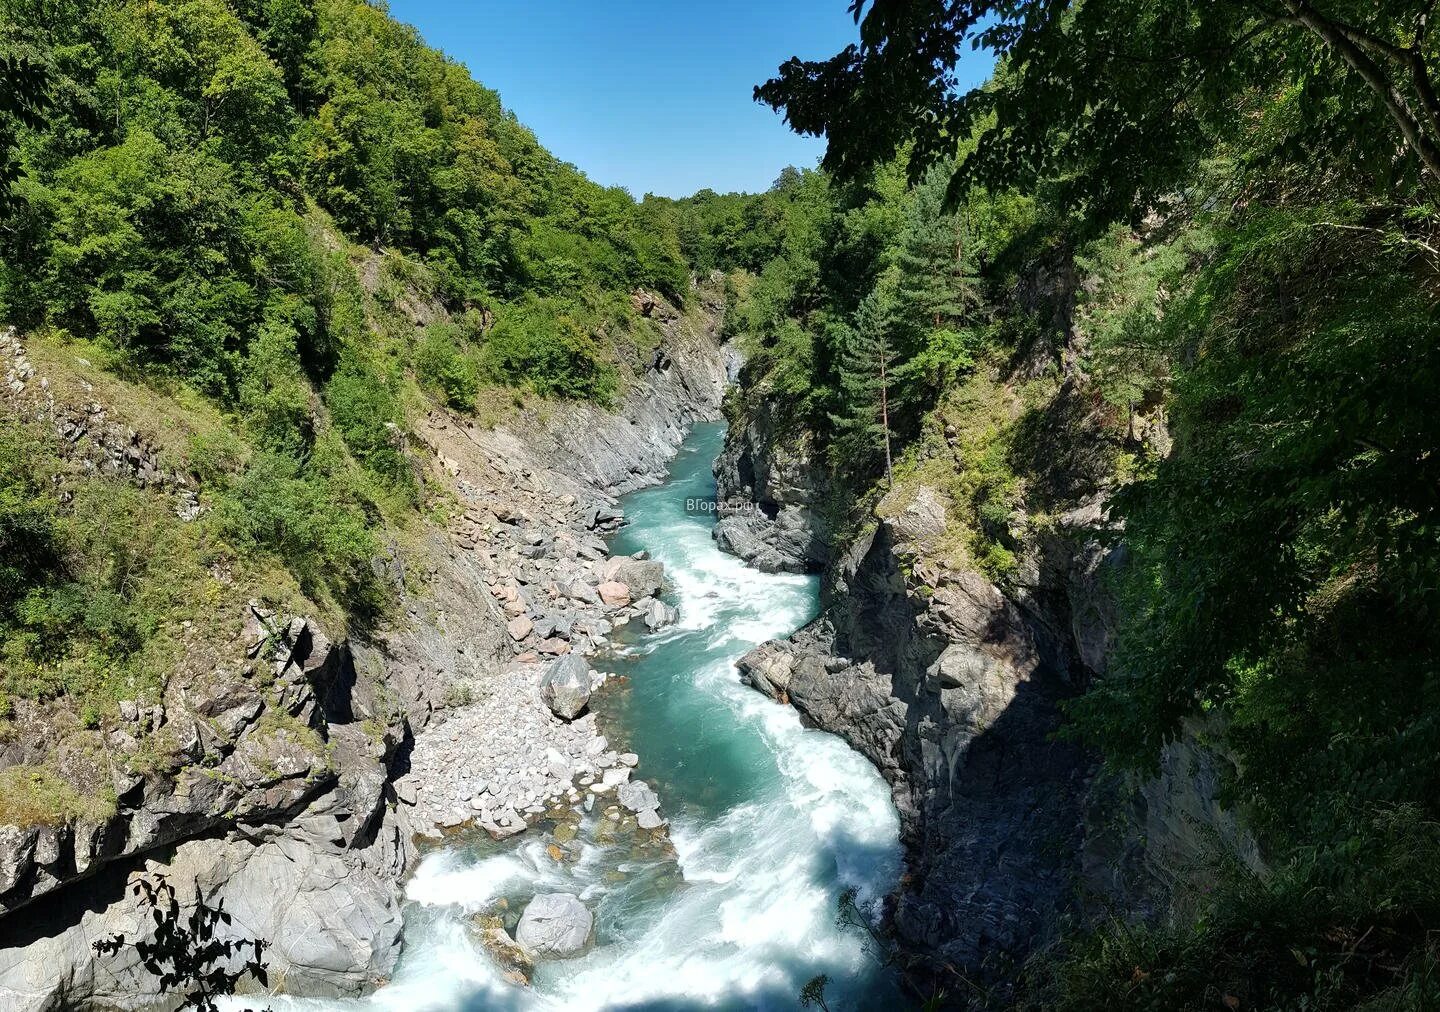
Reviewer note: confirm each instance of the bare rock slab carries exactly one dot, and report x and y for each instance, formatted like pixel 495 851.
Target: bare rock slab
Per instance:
pixel 555 924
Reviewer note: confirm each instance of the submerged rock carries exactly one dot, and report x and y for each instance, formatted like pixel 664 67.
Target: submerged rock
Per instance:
pixel 515 960
pixel 565 688
pixel 555 924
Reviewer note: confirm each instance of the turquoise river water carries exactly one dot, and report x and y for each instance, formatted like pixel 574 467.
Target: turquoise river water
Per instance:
pixel 771 821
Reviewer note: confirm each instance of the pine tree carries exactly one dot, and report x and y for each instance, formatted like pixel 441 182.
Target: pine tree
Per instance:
pixel 867 363
pixel 936 285
pixel 936 297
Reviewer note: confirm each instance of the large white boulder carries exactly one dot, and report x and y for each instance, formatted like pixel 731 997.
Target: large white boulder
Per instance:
pixel 555 924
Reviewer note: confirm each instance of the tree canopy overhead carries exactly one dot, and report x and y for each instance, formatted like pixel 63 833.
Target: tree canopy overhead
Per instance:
pixel 1115 101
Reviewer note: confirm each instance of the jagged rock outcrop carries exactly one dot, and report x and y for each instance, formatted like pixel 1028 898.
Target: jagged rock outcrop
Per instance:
pixel 282 793
pixel 771 494
pixel 288 791
pixel 253 746
pixel 952 687
pixel 618 452
pixel 944 686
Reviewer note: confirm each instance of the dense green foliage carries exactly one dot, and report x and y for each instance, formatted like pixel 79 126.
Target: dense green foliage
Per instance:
pixel 84 582
pixel 1284 575
pixel 1245 191
pixel 867 275
pixel 193 202
pixel 170 204
pixel 23 99
pixel 302 218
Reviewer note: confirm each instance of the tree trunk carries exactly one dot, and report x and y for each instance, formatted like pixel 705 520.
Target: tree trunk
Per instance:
pixel 885 419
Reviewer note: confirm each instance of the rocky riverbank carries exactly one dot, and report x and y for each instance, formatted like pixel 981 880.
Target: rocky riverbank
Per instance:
pixel 298 779
pixel 950 677
pixel 502 765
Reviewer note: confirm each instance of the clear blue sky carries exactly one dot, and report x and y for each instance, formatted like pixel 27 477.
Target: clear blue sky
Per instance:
pixel 652 95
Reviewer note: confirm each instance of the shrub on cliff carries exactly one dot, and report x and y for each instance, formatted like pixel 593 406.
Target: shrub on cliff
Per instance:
pixel 551 346
pixel 445 362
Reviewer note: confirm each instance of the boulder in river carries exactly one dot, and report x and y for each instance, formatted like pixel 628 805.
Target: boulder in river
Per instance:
pixel 657 614
pixel 555 924
pixel 565 687
pixel 638 797
pixel 602 516
pixel 515 961
pixel 642 577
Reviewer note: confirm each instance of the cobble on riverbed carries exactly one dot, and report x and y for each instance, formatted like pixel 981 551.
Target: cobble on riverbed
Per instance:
pixel 499 758
pixel 506 760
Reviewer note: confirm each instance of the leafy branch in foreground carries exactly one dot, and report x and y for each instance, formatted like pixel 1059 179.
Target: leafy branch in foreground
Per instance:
pixel 23 102
pixel 813 993
pixel 1117 100
pixel 185 952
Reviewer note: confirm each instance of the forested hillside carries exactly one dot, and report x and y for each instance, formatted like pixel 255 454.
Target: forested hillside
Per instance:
pixel 1176 264
pixel 1229 211
pixel 270 232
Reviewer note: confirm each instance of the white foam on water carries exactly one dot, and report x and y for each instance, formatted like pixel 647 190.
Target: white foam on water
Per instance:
pixel 755 916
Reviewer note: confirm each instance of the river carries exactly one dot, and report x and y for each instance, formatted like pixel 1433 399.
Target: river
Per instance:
pixel 771 822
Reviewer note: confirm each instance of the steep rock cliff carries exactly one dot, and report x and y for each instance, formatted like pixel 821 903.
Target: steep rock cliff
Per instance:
pixel 773 493
pixel 951 688
pixel 955 627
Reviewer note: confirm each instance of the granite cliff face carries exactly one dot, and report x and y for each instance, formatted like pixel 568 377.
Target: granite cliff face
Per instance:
pixel 952 689
pixel 276 789
pixel 283 789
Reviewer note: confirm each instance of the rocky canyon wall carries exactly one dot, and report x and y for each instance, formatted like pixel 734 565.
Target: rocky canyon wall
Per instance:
pixel 275 791
pixel 951 679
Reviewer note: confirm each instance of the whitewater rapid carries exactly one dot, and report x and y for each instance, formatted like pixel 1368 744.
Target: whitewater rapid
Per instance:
pixel 771 822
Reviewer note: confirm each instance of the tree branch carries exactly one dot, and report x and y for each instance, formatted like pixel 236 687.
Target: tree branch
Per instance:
pixel 1374 76
pixel 1406 240
pixel 1217 52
